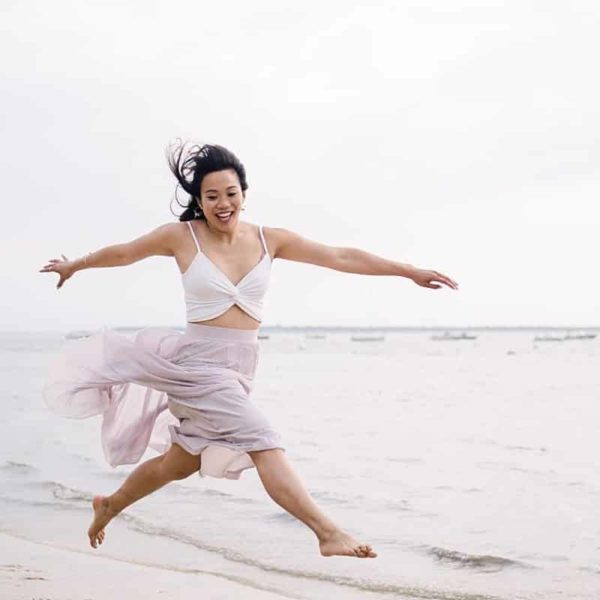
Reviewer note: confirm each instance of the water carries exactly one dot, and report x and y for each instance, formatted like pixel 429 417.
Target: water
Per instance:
pixel 471 466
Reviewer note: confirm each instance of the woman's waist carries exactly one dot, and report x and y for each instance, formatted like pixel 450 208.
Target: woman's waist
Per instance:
pixel 220 333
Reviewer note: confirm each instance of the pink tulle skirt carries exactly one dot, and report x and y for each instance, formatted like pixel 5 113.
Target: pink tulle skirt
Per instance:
pixel 161 386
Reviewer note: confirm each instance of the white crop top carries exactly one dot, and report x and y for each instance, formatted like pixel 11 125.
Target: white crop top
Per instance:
pixel 209 292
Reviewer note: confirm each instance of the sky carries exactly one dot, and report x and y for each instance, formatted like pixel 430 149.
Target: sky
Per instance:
pixel 457 136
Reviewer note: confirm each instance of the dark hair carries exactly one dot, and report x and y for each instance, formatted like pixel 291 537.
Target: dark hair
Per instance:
pixel 190 163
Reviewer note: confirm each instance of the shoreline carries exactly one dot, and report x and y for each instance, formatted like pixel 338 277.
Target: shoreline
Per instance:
pixel 31 570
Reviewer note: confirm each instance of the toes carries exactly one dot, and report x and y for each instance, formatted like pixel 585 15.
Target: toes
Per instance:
pixel 365 551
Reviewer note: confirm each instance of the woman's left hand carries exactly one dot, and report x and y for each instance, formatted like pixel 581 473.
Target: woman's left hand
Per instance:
pixel 424 278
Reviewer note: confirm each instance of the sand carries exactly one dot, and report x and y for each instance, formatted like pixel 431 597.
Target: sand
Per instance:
pixel 39 571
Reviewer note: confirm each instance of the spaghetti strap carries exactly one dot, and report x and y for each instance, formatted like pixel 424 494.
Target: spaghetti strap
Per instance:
pixel 193 235
pixel 262 237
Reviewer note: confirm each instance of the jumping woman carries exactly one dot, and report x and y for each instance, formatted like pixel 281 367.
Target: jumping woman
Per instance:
pixel 187 394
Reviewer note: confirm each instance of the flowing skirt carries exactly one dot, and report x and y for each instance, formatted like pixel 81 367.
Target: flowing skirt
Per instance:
pixel 162 386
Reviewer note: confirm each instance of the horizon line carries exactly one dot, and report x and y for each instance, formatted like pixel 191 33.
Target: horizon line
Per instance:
pixel 279 326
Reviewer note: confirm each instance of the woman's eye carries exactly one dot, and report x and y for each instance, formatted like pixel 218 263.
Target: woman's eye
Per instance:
pixel 233 194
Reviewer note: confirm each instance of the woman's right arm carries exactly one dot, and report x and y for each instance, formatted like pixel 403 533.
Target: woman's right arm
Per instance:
pixel 159 242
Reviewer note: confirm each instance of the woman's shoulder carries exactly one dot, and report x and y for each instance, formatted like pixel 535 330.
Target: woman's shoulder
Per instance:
pixel 278 234
pixel 171 233
pixel 278 238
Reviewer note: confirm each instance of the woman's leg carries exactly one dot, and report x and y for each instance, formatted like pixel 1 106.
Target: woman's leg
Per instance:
pixel 284 486
pixel 148 477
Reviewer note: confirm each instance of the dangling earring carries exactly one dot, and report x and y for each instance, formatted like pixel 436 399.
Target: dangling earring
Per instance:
pixel 243 207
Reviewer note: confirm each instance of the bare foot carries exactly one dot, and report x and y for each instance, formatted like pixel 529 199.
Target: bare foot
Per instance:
pixel 340 543
pixel 103 514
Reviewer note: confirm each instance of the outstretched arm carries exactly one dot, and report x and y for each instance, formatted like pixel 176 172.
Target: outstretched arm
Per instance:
pixel 291 246
pixel 158 242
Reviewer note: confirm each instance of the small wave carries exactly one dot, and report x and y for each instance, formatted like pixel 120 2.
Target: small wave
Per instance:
pixel 402 505
pixel 17 467
pixel 365 585
pixel 139 525
pixel 207 492
pixel 63 492
pixel 52 504
pixel 537 449
pixel 328 498
pixel 229 498
pixel 483 562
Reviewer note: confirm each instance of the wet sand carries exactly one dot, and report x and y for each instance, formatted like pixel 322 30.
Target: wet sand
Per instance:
pixel 35 571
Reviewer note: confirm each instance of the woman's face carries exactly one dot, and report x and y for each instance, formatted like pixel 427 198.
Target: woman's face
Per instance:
pixel 221 198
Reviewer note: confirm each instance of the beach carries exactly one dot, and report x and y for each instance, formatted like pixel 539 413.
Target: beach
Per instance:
pixel 469 465
pixel 32 570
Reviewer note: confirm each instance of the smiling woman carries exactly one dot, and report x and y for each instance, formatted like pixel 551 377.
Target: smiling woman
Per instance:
pixel 187 395
pixel 191 165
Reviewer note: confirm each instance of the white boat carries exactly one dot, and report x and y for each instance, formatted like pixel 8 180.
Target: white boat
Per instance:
pixel 549 338
pixel 580 335
pixel 453 336
pixel 368 338
pixel 75 335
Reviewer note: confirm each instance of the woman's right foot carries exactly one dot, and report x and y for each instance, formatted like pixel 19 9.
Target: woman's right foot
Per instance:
pixel 339 543
pixel 103 514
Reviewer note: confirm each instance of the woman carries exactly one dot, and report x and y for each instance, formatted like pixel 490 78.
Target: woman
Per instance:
pixel 187 394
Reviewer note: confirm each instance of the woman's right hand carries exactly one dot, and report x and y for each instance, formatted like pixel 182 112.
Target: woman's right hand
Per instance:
pixel 65 269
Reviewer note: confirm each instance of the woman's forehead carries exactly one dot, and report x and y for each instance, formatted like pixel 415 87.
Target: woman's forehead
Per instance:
pixel 220 180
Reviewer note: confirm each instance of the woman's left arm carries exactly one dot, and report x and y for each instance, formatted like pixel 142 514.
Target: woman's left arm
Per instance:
pixel 291 246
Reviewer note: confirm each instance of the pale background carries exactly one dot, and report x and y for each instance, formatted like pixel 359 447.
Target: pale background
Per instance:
pixel 460 136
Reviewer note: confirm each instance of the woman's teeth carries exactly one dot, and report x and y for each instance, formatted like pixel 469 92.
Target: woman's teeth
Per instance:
pixel 224 217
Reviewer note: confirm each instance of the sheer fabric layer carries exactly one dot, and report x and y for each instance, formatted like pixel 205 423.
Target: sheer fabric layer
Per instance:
pixel 161 386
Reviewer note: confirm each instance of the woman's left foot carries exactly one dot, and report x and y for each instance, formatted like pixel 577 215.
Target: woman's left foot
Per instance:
pixel 340 543
pixel 103 514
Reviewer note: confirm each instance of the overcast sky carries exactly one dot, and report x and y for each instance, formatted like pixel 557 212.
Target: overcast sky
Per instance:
pixel 460 136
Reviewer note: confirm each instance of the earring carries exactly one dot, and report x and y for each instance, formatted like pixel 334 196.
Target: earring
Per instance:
pixel 243 207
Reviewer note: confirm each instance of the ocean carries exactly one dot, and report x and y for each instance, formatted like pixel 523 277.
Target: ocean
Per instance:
pixel 470 465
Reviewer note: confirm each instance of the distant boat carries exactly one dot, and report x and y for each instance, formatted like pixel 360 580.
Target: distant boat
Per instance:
pixel 75 335
pixel 453 336
pixel 549 338
pixel 368 338
pixel 263 337
pixel 580 335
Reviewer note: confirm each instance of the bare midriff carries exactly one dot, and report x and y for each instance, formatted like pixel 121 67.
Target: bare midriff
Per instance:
pixel 234 318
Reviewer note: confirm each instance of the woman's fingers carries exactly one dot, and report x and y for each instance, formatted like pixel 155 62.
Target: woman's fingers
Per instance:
pixel 53 263
pixel 445 279
pixel 427 277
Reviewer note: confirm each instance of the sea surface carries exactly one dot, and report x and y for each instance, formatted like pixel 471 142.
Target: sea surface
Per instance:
pixel 471 466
